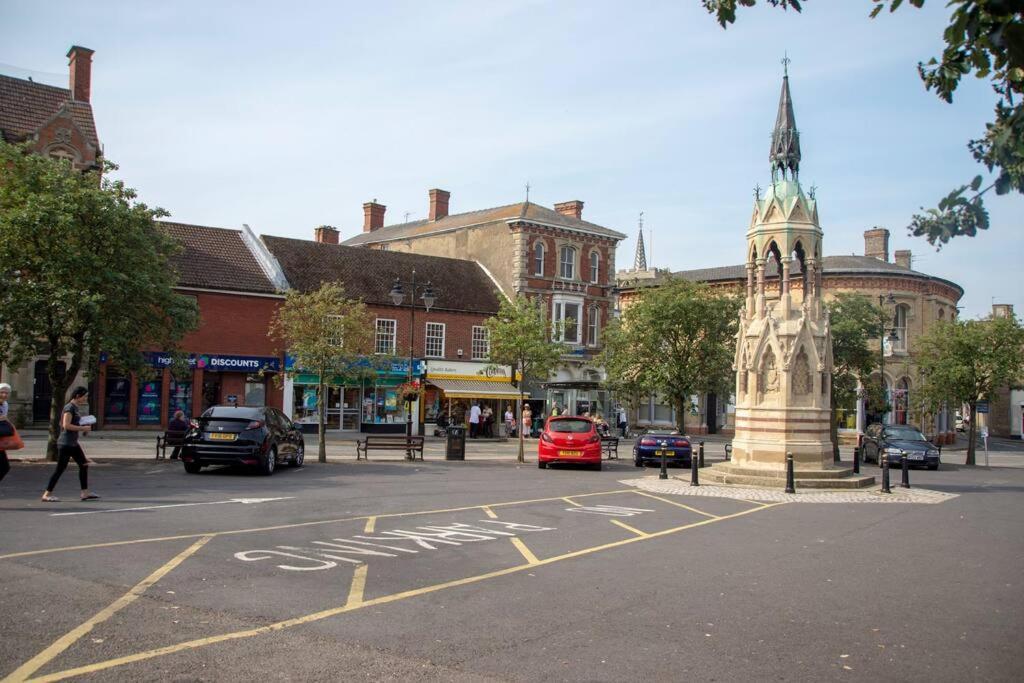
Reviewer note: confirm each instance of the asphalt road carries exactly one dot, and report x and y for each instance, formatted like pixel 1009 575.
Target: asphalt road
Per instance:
pixel 492 571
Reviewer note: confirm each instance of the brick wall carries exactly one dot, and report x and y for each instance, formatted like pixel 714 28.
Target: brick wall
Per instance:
pixel 458 330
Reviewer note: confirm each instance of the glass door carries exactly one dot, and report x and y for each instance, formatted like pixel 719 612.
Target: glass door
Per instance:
pixel 350 403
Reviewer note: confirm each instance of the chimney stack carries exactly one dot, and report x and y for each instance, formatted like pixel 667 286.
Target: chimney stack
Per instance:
pixel 876 244
pixel 573 208
pixel 373 216
pixel 901 257
pixel 326 234
pixel 80 72
pixel 439 204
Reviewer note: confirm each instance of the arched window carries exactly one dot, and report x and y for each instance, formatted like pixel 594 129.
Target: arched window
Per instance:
pixel 900 324
pixel 567 263
pixel 595 266
pixel 538 258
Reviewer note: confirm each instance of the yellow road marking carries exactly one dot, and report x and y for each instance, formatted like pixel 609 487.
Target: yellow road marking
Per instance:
pixel 489 512
pixel 279 527
pixel 572 502
pixel 523 550
pixel 67 640
pixel 370 524
pixel 678 505
pixel 334 611
pixel 355 593
pixel 629 528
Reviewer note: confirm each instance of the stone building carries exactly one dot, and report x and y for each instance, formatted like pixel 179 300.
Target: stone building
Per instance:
pixel 550 255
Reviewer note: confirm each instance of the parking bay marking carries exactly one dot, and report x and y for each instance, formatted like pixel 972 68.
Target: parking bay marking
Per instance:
pixel 394 597
pixel 243 501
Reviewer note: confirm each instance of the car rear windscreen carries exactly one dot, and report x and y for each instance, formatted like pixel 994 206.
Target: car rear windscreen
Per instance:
pixel 231 411
pixel 570 426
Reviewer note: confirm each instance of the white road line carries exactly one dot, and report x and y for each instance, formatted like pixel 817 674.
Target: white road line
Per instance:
pixel 244 501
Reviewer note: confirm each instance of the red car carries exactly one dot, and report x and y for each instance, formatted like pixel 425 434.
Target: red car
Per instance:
pixel 569 439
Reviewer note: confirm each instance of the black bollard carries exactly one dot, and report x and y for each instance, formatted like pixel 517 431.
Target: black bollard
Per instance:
pixel 701 454
pixel 856 459
pixel 664 465
pixel 885 474
pixel 790 482
pixel 694 477
pixel 905 466
pixel 728 452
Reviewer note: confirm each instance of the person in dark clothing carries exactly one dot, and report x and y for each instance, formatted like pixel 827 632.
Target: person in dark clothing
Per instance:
pixel 177 424
pixel 69 449
pixel 5 391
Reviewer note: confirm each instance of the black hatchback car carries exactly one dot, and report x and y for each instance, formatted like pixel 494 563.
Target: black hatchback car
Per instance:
pixel 894 441
pixel 239 435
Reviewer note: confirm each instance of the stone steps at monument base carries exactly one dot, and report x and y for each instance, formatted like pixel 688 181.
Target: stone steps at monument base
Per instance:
pixel 768 480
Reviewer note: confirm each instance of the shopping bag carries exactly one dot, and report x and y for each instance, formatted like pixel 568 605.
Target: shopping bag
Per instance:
pixel 11 443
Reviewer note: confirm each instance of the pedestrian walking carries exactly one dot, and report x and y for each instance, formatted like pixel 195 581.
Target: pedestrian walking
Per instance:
pixel 487 418
pixel 620 413
pixel 474 420
pixel 177 424
pixel 6 428
pixel 510 422
pixel 554 411
pixel 527 421
pixel 68 447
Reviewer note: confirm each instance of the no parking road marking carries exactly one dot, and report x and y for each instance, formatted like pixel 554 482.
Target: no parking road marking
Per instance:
pixel 244 501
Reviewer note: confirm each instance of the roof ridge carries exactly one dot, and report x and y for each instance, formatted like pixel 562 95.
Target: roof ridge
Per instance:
pixel 32 83
pixel 196 225
pixel 451 215
pixel 408 254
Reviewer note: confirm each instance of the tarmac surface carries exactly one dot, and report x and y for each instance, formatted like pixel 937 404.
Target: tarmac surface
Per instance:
pixel 487 570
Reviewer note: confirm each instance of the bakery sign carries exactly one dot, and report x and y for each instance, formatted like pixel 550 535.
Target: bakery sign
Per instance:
pixel 466 370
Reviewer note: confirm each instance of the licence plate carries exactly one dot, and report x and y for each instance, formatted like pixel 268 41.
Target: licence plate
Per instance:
pixel 915 456
pixel 221 437
pixel 663 452
pixel 570 454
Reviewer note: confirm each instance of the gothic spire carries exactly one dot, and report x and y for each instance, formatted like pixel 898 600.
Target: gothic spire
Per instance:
pixel 640 260
pixel 785 152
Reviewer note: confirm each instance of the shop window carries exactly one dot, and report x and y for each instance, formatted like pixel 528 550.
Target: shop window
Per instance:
pixel 481 343
pixel 592 325
pixel 435 340
pixel 382 404
pixel 385 341
pixel 538 258
pixel 116 400
pixel 179 398
pixel 255 390
pixel 148 410
pixel 595 263
pixel 567 263
pixel 566 322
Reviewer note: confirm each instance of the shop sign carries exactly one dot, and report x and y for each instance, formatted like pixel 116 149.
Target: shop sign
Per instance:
pixel 221 362
pixel 396 367
pixel 467 369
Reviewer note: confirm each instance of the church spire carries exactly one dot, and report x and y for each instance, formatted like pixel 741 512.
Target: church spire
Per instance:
pixel 785 152
pixel 640 260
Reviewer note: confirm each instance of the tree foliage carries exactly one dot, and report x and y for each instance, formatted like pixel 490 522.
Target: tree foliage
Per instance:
pixel 329 335
pixel 676 340
pixel 84 268
pixel 986 38
pixel 520 337
pixel 966 361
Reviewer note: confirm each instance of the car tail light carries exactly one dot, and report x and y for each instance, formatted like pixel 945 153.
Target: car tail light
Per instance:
pixel 596 438
pixel 544 436
pixel 255 424
pixel 680 442
pixel 194 424
pixel 648 441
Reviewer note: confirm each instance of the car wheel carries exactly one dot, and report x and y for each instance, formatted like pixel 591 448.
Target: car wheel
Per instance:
pixel 933 467
pixel 300 455
pixel 270 462
pixel 637 463
pixel 193 467
pixel 542 465
pixel 596 467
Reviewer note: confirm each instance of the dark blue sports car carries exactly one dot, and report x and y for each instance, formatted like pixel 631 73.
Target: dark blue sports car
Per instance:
pixel 650 446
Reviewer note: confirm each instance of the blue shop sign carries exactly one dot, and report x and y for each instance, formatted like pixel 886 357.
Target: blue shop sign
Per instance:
pixel 397 367
pixel 218 362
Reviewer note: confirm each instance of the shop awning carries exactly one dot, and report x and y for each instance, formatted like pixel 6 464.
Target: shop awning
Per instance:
pixel 471 388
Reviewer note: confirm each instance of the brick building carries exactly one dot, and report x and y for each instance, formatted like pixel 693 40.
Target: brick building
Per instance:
pixel 550 255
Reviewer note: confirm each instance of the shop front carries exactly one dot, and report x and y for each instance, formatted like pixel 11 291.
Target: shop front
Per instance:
pixel 130 401
pixel 370 403
pixel 578 390
pixel 452 387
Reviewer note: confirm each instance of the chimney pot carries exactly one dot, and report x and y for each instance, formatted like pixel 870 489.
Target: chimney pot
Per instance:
pixel 80 72
pixel 438 203
pixel 573 208
pixel 326 234
pixel 876 244
pixel 373 216
pixel 901 257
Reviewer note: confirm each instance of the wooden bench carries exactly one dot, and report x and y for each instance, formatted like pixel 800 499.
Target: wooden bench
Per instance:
pixel 610 447
pixel 168 438
pixel 387 442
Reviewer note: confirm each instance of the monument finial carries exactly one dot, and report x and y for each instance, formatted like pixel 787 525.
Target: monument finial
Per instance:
pixel 640 259
pixel 785 65
pixel 785 152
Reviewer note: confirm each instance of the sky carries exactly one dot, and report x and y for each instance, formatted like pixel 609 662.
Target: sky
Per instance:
pixel 286 116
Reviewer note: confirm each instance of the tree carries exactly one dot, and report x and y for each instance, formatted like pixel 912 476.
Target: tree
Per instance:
pixel 85 270
pixel 855 322
pixel 520 337
pixel 327 334
pixel 677 339
pixel 966 361
pixel 986 38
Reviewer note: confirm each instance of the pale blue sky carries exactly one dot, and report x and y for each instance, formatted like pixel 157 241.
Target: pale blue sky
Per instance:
pixel 286 116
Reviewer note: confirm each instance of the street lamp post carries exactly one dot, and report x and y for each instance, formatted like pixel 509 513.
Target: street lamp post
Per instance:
pixel 428 298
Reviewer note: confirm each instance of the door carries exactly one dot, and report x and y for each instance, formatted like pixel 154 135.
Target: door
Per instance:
pixel 350 405
pixel 711 413
pixel 211 390
pixel 42 391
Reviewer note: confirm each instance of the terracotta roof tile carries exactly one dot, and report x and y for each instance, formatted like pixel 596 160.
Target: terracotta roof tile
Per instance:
pixel 368 274
pixel 26 105
pixel 216 258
